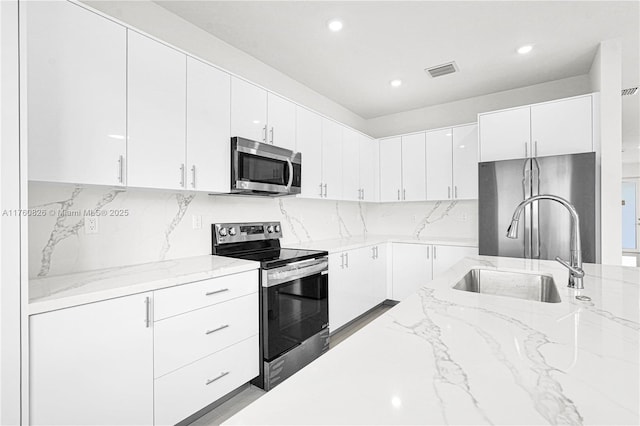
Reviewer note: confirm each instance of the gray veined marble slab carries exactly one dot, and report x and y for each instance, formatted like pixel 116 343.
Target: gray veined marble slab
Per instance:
pixel 63 291
pixel 444 356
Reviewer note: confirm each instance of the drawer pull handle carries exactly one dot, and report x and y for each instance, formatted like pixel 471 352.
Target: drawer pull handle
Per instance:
pixel 222 327
pixel 224 373
pixel 211 293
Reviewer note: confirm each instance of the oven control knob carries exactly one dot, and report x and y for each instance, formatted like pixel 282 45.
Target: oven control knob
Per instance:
pixel 270 229
pixel 232 231
pixel 223 232
pixel 277 228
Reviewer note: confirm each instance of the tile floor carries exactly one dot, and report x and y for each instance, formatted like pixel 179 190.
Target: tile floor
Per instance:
pixel 251 393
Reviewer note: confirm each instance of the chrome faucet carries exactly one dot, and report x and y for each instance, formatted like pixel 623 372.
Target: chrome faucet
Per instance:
pixel 575 266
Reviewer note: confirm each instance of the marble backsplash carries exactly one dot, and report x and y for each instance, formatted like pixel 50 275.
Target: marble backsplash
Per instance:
pixel 145 225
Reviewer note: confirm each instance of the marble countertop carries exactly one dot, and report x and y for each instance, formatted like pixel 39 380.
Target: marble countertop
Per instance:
pixel 341 244
pixel 445 356
pixel 63 291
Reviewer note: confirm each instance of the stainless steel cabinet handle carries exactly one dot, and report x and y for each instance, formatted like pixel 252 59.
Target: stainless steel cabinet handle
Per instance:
pixel 325 190
pixel 342 260
pixel 264 133
pixel 320 189
pixel 211 293
pixel 120 173
pixel 526 150
pixel 404 194
pixel 455 192
pixel 362 194
pixel 427 252
pixel 182 175
pixel 434 252
pixel 193 176
pixel 373 252
pixel 147 319
pixel 376 250
pixel 535 148
pixel 448 192
pixel 346 263
pixel 398 195
pixel 224 373
pixel 272 138
pixel 222 327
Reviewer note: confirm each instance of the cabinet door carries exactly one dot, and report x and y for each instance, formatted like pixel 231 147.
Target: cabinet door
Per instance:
pixel 76 97
pixel 208 131
pixel 332 159
pixel 248 110
pixel 390 169
pixel 368 167
pixel 411 268
pixel 465 162
pixel 413 168
pixel 350 165
pixel 444 257
pixel 505 135
pixel 92 364
pixel 157 114
pixel 562 127
pixel 309 143
pixel 439 164
pixel 338 291
pixel 281 119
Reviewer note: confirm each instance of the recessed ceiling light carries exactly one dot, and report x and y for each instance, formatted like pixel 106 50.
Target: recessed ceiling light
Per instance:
pixel 395 83
pixel 523 50
pixel 335 25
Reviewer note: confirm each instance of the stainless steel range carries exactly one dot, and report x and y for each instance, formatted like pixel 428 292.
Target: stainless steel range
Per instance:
pixel 294 310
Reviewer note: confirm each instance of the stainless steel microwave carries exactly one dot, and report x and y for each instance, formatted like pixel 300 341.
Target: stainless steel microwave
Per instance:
pixel 263 169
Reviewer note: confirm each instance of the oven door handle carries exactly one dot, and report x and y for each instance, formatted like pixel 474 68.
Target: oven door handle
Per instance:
pixel 290 175
pixel 299 270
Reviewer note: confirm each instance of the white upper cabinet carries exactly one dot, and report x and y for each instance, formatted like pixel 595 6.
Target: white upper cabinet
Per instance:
pixel 281 122
pixel 390 169
pixel 331 159
pixel 157 114
pixel 351 189
pixel 559 127
pixel 208 127
pixel 413 168
pixel 309 143
pixel 76 95
pixel 504 135
pixel 439 164
pixel 248 110
pixel 465 162
pixel 369 167
pixel 562 127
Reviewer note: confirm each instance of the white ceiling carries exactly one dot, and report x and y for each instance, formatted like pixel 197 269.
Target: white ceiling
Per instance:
pixel 385 40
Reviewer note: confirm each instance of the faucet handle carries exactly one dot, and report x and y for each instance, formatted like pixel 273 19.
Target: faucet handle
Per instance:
pixel 575 271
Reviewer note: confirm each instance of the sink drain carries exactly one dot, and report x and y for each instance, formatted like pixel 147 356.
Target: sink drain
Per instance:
pixel 584 298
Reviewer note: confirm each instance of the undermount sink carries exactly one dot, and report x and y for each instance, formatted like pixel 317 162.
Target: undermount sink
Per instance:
pixel 537 287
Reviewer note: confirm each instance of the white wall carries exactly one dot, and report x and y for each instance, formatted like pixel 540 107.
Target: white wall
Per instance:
pixel 606 77
pixel 10 295
pixel 466 110
pixel 630 170
pixel 159 22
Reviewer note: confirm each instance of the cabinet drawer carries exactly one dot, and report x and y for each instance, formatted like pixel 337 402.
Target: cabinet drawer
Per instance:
pixel 185 391
pixel 189 297
pixel 194 335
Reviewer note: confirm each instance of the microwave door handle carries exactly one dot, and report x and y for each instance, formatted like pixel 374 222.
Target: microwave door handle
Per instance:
pixel 290 175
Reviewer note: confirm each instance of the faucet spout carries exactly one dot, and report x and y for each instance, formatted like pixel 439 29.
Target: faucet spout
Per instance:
pixel 575 265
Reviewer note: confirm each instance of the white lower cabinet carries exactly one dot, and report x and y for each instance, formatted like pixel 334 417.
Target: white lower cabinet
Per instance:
pixel 92 364
pixel 353 287
pixel 414 265
pixel 193 387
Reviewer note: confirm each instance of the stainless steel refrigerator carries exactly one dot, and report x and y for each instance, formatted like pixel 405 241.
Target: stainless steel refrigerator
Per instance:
pixel 546 229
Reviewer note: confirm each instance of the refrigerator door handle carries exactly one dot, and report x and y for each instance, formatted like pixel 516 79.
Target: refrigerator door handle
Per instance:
pixel 535 217
pixel 526 193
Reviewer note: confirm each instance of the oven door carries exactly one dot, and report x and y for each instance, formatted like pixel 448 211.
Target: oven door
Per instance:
pixel 295 305
pixel 259 167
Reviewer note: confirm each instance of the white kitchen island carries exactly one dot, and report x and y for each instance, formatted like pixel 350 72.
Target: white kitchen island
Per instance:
pixel 446 356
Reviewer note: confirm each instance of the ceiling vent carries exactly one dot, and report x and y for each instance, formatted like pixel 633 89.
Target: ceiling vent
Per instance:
pixel 630 91
pixel 440 70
